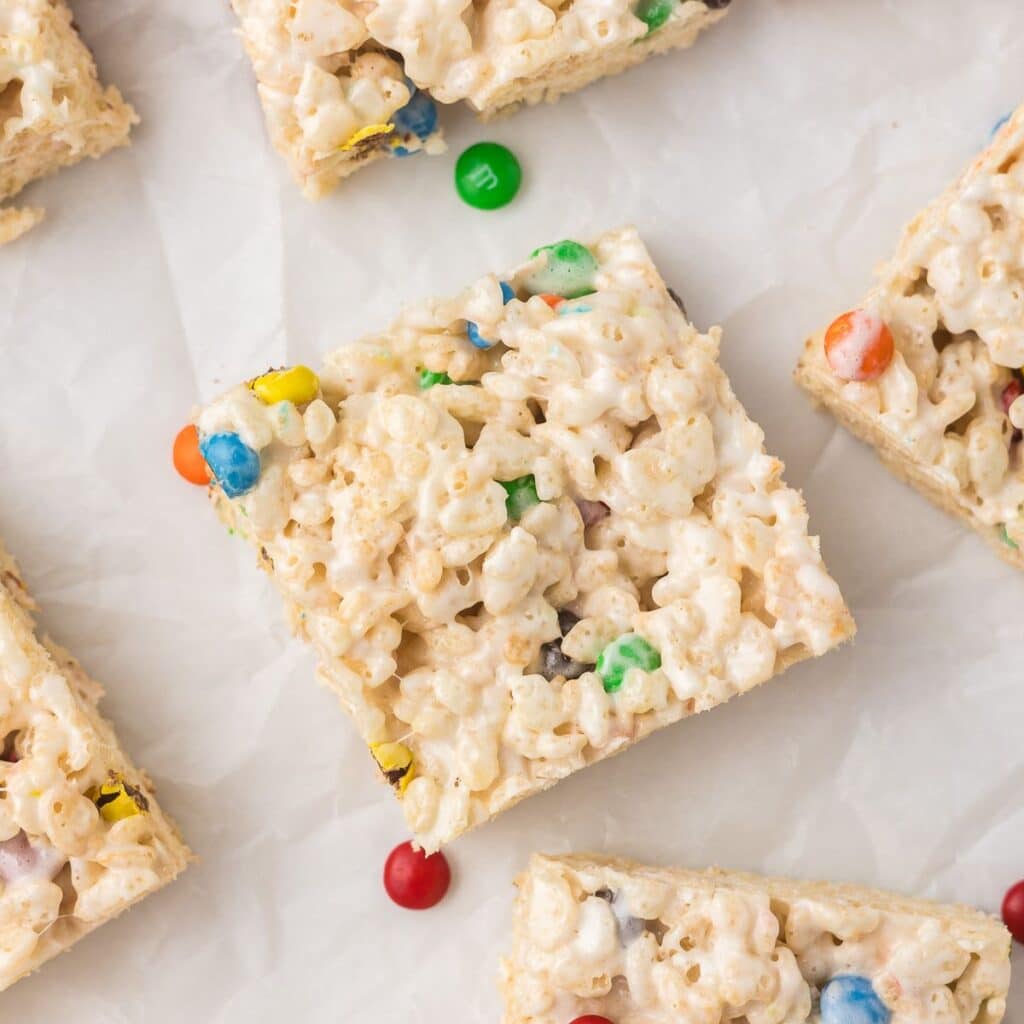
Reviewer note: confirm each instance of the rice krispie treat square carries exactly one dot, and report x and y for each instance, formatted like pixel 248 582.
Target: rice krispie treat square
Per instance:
pixel 523 528
pixel 929 369
pixel 53 110
pixel 81 835
pixel 344 82
pixel 630 944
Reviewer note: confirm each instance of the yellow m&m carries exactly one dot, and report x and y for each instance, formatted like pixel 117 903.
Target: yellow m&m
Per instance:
pixel 396 762
pixel 116 799
pixel 298 384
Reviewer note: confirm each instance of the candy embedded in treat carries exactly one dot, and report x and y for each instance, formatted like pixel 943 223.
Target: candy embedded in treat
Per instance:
pixel 602 936
pixel 415 880
pixel 859 346
pixel 654 13
pixel 415 123
pixel 235 466
pixel 116 799
pixel 428 379
pixel 568 271
pixel 396 762
pixel 21 857
pixel 852 999
pixel 521 495
pixel 591 1018
pixel 473 331
pixel 297 384
pixel 432 542
pixel 188 459
pixel 488 176
pixel 554 662
pixel 628 651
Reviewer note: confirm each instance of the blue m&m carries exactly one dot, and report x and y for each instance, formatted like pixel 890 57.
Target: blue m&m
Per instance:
pixel 473 332
pixel 852 999
pixel 235 466
pixel 418 118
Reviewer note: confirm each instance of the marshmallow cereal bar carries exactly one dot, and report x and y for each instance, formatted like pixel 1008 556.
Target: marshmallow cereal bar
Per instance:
pixel 53 110
pixel 81 835
pixel 930 369
pixel 605 941
pixel 523 528
pixel 344 82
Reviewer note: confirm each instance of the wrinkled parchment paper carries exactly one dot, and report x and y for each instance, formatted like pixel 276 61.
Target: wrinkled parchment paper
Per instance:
pixel 769 169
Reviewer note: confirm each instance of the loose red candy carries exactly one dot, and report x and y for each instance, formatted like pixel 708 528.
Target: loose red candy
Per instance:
pixel 1013 911
pixel 414 880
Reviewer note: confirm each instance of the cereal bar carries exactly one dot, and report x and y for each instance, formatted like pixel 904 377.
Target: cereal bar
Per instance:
pixel 53 110
pixel 929 369
pixel 599 939
pixel 523 528
pixel 81 835
pixel 344 82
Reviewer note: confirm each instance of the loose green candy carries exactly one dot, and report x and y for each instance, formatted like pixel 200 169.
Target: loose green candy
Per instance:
pixel 428 379
pixel 654 13
pixel 521 493
pixel 569 271
pixel 628 651
pixel 487 176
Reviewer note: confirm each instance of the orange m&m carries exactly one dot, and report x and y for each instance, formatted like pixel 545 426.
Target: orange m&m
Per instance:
pixel 859 346
pixel 188 460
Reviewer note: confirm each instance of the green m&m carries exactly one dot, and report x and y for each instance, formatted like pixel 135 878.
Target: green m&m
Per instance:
pixel 569 270
pixel 487 176
pixel 520 493
pixel 628 651
pixel 428 379
pixel 654 13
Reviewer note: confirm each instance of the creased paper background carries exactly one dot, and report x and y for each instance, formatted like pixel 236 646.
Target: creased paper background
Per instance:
pixel 769 169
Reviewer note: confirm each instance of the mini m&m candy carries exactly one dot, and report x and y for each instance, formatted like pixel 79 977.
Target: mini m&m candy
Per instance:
pixel 297 384
pixel 627 651
pixel 473 332
pixel 116 799
pixel 235 466
pixel 1013 910
pixel 371 131
pixel 654 13
pixel 188 459
pixel 488 176
pixel 414 880
pixel 591 1018
pixel 418 118
pixel 428 378
pixel 852 999
pixel 859 346
pixel 521 493
pixel 396 762
pixel 568 271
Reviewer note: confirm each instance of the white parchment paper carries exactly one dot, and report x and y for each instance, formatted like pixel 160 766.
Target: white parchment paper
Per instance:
pixel 769 169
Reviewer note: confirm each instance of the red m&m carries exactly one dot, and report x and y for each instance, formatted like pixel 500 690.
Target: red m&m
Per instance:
pixel 1013 910
pixel 591 1018
pixel 414 880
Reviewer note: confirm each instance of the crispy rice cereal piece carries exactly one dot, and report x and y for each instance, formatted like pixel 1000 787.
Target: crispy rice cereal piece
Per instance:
pixel 516 561
pixel 81 835
pixel 53 109
pixel 944 416
pixel 335 75
pixel 644 945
